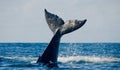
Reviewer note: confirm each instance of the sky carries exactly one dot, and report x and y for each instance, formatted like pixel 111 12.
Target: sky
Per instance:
pixel 24 20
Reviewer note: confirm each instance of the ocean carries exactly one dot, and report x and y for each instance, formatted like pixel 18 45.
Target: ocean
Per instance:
pixel 72 56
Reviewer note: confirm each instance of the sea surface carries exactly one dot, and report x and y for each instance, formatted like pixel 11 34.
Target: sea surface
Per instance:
pixel 72 56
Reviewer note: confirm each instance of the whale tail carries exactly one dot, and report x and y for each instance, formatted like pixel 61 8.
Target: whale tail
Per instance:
pixel 59 28
pixel 55 22
pixel 50 54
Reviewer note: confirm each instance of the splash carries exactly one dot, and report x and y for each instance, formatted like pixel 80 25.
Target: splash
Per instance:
pixel 26 59
pixel 94 59
pixel 88 59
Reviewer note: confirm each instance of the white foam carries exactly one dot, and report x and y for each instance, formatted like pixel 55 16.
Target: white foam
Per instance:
pixel 88 59
pixel 27 59
pixel 70 59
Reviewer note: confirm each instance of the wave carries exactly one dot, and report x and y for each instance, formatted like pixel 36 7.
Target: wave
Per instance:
pixel 25 59
pixel 94 59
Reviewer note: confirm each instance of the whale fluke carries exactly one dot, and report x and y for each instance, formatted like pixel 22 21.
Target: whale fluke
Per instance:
pixel 55 22
pixel 59 28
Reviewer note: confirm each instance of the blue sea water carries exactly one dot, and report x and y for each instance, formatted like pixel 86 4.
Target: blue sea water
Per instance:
pixel 72 56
